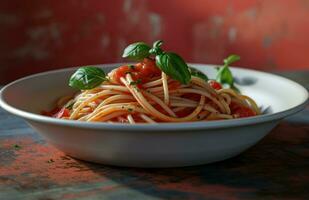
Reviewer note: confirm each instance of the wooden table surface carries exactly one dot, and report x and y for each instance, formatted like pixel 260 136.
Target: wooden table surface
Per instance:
pixel 275 168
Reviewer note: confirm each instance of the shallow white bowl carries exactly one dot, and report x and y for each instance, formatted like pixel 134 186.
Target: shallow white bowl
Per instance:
pixel 147 145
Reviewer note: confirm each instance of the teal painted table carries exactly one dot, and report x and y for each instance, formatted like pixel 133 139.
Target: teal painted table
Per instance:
pixel 275 168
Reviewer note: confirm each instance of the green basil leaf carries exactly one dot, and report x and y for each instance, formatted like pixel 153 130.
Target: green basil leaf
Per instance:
pixel 224 76
pixel 87 78
pixel 229 60
pixel 174 66
pixel 136 51
pixel 156 48
pixel 157 44
pixel 197 73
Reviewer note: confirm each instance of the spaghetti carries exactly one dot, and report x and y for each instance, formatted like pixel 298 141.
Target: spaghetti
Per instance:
pixel 142 93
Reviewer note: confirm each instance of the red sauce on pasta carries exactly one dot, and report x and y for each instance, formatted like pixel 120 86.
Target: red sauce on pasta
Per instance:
pixel 241 111
pixel 141 72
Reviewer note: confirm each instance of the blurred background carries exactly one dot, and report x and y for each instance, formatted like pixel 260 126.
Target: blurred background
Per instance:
pixel 38 35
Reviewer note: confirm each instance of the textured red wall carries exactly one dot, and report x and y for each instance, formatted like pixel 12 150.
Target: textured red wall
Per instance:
pixel 38 35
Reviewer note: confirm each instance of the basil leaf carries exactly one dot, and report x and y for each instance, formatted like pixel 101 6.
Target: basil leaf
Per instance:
pixel 225 76
pixel 229 60
pixel 156 48
pixel 87 78
pixel 157 44
pixel 136 51
pixel 197 73
pixel 174 66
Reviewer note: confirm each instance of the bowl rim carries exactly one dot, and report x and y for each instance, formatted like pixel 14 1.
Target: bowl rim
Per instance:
pixel 183 126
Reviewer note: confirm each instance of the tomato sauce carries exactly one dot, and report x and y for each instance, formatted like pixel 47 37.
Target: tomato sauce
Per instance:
pixel 241 111
pixel 160 109
pixel 141 72
pixel 57 113
pixel 185 112
pixel 51 113
pixel 192 96
pixel 173 85
pixel 215 85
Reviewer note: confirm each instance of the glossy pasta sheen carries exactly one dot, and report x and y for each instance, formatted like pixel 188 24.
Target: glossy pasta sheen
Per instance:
pixel 141 93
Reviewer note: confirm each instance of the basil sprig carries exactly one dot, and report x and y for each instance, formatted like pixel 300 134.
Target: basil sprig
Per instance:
pixel 170 63
pixel 224 75
pixel 86 78
pixel 174 66
pixel 199 74
pixel 136 51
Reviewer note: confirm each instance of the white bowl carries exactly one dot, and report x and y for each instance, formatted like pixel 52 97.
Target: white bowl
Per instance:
pixel 148 145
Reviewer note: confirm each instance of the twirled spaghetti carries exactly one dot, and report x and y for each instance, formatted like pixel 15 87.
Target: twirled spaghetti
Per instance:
pixel 142 93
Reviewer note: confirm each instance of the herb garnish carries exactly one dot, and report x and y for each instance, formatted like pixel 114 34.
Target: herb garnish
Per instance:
pixel 170 63
pixel 87 78
pixel 197 73
pixel 130 109
pixel 136 51
pixel 224 75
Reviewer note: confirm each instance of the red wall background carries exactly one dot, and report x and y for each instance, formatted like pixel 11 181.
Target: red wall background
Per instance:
pixel 38 35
